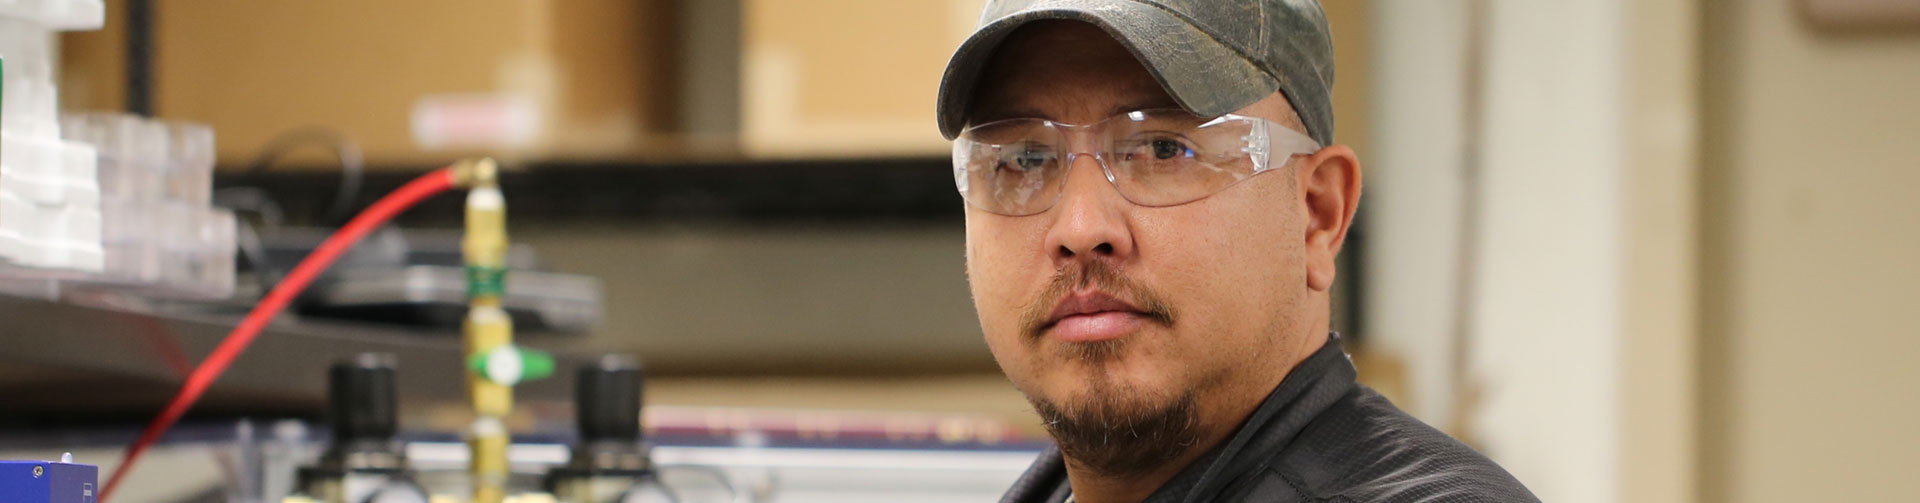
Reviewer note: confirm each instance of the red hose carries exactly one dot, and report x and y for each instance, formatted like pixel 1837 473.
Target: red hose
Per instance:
pixel 270 306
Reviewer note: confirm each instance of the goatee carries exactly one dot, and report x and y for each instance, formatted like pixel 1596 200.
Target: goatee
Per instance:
pixel 1110 435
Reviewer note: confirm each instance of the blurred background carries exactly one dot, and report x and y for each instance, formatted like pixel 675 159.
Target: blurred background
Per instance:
pixel 1636 250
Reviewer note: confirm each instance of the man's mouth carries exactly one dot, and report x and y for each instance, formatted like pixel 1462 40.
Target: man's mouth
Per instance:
pixel 1093 316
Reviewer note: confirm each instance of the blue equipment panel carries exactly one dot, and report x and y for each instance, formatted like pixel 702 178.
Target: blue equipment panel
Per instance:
pixel 48 482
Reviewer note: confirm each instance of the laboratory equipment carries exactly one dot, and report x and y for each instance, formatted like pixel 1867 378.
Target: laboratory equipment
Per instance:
pixel 610 455
pixel 364 460
pixel 612 462
pixel 48 481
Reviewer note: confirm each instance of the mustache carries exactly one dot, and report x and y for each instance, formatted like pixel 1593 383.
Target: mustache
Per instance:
pixel 1097 275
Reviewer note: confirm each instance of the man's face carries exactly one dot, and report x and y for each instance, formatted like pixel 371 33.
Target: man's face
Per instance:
pixel 1193 305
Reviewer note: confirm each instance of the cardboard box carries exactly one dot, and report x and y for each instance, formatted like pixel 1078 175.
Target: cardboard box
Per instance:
pixel 852 78
pixel 414 82
pixel 841 78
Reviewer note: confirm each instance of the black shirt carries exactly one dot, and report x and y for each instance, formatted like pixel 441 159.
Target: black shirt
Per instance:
pixel 1319 436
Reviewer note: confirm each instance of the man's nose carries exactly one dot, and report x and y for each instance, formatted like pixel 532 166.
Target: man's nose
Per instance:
pixel 1090 219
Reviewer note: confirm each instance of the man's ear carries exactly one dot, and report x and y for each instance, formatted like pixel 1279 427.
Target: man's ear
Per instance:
pixel 1329 182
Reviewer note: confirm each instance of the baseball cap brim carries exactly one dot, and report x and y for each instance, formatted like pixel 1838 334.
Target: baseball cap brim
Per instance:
pixel 1203 75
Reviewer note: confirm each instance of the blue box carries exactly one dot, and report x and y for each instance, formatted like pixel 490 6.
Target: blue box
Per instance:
pixel 48 482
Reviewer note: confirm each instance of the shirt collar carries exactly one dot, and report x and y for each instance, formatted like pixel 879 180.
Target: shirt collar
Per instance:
pixel 1313 385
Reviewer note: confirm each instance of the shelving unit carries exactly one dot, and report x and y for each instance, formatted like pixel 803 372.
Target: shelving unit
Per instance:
pixel 96 361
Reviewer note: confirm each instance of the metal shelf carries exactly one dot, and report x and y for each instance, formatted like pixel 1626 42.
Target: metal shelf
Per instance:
pixel 842 191
pixel 98 362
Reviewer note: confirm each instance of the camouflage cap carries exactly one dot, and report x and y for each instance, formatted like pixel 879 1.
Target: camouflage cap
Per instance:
pixel 1212 56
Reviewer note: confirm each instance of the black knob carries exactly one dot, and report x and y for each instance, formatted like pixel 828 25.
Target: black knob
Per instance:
pixel 362 404
pixel 607 400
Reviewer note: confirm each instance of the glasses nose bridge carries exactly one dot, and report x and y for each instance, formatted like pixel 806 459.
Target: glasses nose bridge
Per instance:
pixel 1089 140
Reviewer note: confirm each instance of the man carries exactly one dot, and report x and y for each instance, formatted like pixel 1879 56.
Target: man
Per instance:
pixel 1154 203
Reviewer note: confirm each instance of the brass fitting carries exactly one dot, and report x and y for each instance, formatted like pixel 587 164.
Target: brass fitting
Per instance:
pixel 476 172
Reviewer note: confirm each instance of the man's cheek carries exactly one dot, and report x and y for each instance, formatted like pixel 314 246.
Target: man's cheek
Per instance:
pixel 998 303
pixel 1001 274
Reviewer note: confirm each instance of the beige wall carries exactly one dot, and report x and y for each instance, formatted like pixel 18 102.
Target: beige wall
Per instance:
pixel 1558 141
pixel 1810 325
pixel 1660 391
pixel 1412 204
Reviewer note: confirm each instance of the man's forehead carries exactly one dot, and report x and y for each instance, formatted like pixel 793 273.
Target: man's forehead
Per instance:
pixel 1066 71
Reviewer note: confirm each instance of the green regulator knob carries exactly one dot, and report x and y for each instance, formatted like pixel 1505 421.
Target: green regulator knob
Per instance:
pixel 510 364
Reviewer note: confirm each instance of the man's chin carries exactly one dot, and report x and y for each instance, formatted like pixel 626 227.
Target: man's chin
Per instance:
pixel 1116 428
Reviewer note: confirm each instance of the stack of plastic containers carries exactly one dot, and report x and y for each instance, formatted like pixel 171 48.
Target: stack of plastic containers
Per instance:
pixel 104 201
pixel 49 196
pixel 160 235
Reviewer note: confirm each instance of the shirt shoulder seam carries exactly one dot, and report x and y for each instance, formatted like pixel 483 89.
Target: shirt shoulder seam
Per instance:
pixel 1302 489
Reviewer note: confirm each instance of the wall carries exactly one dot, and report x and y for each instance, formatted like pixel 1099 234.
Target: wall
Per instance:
pixel 1660 342
pixel 1809 296
pixel 1543 342
pixel 1411 208
pixel 1528 215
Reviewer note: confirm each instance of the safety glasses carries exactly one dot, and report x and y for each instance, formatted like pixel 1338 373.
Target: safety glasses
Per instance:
pixel 1159 157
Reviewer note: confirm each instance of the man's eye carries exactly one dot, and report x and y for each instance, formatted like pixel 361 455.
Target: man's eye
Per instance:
pixel 1164 149
pixel 1159 150
pixel 1027 159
